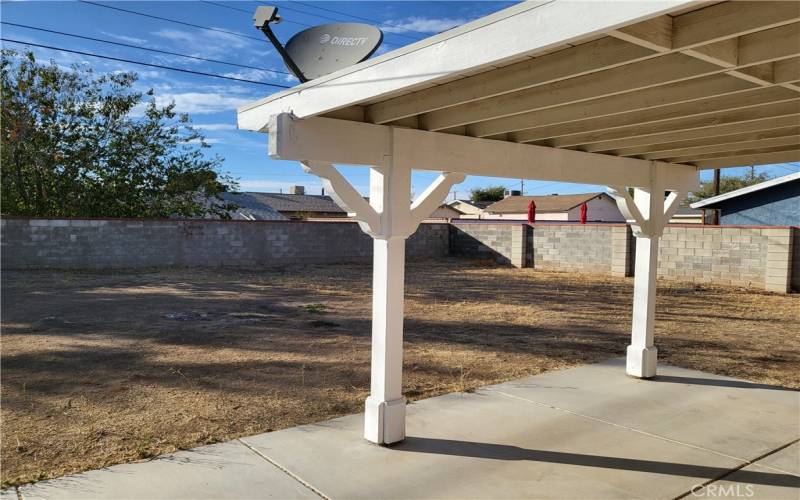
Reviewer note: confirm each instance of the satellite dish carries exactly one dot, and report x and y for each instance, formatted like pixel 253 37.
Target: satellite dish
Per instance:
pixel 324 49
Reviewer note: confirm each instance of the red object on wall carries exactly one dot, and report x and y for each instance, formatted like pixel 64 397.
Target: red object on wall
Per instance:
pixel 584 209
pixel 531 212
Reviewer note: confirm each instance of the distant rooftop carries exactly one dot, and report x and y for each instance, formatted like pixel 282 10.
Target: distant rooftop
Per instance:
pixel 277 206
pixel 549 203
pixel 477 204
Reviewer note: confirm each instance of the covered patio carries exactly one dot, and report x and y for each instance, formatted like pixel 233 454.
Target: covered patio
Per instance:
pixel 638 96
pixel 563 434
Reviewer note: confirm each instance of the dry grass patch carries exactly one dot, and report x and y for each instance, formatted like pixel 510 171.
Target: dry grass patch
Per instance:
pixel 102 368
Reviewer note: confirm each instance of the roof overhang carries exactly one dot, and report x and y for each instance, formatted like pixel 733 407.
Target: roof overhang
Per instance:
pixel 710 85
pixel 747 190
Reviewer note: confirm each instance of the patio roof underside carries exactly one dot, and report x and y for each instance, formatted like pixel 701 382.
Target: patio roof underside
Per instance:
pixel 712 85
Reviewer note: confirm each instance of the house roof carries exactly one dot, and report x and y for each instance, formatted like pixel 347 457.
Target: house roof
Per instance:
pixel 477 204
pixel 687 212
pixel 639 81
pixel 265 204
pixel 747 190
pixel 550 203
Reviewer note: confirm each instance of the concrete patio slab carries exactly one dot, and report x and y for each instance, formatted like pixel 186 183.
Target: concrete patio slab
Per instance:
pixel 722 414
pixel 738 483
pixel 590 432
pixel 8 494
pixel 484 445
pixel 225 470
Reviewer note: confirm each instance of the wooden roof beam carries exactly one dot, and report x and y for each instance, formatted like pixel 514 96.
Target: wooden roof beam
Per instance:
pixel 768 46
pixel 641 75
pixel 586 141
pixel 751 159
pixel 707 144
pixel 624 145
pixel 329 140
pixel 586 58
pixel 738 149
pixel 650 98
pixel 729 102
pixel 752 53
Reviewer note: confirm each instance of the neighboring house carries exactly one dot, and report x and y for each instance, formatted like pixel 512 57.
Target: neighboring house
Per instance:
pixel 442 212
pixel 470 209
pixel 446 212
pixel 601 207
pixel 278 206
pixel 775 202
pixel 686 215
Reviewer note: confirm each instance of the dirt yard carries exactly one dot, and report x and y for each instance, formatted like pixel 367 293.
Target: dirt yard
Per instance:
pixel 102 368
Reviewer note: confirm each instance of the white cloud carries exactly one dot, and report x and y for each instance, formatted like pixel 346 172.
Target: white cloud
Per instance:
pixel 253 74
pixel 125 38
pixel 201 103
pixel 215 126
pixel 211 42
pixel 421 24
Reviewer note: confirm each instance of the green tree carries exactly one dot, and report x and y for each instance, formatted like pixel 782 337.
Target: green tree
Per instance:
pixel 491 193
pixel 727 184
pixel 76 144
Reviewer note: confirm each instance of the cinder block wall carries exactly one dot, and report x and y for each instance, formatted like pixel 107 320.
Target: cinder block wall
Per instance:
pixel 576 247
pixel 761 258
pixel 483 241
pixel 85 243
pixel 722 255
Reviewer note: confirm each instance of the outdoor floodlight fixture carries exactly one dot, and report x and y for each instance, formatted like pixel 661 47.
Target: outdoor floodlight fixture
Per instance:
pixel 323 49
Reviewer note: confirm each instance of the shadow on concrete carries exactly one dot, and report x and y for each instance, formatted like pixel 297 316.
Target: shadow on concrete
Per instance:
pixel 738 384
pixel 515 453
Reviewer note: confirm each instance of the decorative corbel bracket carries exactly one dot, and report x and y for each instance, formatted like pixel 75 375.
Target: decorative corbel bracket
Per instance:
pixel 432 197
pixel 650 226
pixel 345 195
pixel 404 221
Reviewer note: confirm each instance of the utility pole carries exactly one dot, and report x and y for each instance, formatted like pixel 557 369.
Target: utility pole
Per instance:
pixel 715 218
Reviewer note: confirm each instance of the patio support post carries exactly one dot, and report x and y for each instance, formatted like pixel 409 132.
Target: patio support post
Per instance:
pixel 648 211
pixel 390 218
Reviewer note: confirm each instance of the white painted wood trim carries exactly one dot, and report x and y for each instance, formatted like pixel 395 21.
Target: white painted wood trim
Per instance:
pixel 434 195
pixel 344 194
pixel 354 143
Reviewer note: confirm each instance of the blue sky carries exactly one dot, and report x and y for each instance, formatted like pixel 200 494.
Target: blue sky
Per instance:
pixel 212 102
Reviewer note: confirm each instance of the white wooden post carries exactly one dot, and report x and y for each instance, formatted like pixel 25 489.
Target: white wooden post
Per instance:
pixel 642 353
pixel 385 408
pixel 648 212
pixel 390 218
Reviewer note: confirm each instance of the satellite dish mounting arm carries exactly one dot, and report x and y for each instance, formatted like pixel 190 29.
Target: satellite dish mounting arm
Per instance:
pixel 262 18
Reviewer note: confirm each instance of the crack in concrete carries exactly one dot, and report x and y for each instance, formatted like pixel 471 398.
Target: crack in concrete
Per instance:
pixel 285 471
pixel 740 467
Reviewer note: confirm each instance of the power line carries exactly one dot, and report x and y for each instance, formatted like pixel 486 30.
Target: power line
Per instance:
pixel 249 12
pixel 171 68
pixel 241 35
pixel 283 19
pixel 149 49
pixel 381 23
